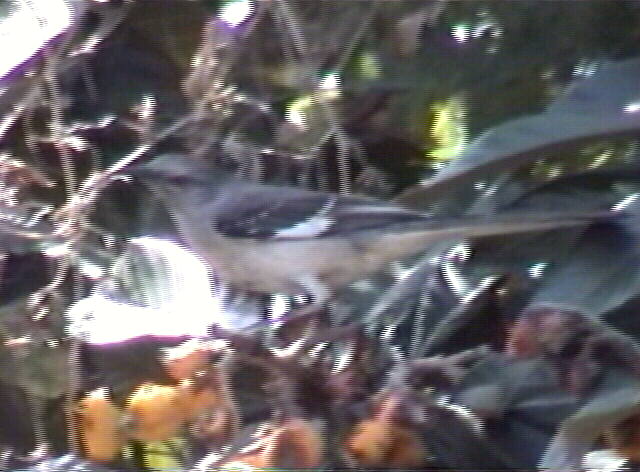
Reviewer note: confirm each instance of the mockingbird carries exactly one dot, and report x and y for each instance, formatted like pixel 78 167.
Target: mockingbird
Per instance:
pixel 280 239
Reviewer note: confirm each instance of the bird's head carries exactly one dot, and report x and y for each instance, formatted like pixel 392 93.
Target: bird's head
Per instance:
pixel 175 169
pixel 177 178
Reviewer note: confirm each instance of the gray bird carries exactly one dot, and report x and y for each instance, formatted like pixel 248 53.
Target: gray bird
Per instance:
pixel 277 239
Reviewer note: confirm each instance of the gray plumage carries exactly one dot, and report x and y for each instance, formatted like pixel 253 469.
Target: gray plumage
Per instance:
pixel 288 240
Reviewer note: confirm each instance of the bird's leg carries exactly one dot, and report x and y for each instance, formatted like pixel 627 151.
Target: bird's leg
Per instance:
pixel 315 288
pixel 316 294
pixel 319 293
pixel 307 314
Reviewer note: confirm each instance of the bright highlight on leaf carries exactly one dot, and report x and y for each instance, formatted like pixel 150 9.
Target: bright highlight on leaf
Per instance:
pixel 461 32
pixel 632 107
pixel 448 128
pixel 25 31
pixel 368 66
pixel 236 11
pixel 305 111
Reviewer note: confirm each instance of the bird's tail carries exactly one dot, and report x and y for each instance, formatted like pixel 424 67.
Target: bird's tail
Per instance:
pixel 419 234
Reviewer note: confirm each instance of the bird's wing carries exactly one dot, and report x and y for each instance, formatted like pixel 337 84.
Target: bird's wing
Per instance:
pixel 288 213
pixel 266 212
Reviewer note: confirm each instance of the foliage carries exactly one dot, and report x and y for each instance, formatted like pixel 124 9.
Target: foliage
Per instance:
pixel 509 352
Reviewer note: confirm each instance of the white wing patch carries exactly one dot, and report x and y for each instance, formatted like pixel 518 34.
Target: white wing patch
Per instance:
pixel 313 226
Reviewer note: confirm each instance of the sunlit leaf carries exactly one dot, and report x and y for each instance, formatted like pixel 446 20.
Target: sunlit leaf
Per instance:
pixel 448 128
